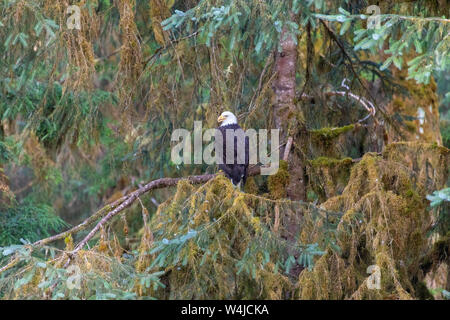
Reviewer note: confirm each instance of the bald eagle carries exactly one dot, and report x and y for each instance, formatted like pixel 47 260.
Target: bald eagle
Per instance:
pixel 236 169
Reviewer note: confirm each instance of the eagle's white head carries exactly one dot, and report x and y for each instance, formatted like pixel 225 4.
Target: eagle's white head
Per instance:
pixel 227 118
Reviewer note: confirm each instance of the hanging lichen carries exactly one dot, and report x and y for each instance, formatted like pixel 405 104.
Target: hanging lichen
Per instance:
pixel 418 110
pixel 329 176
pixel 130 66
pixel 215 241
pixel 387 216
pixel 6 195
pixel 159 11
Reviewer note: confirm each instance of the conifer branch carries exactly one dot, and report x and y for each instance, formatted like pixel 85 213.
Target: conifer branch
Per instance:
pixel 126 202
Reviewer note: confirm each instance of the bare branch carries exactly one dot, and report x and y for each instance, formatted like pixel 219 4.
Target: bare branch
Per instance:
pixel 363 101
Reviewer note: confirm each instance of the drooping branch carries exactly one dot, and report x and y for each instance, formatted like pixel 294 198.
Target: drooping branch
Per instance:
pixel 341 46
pixel 128 200
pixel 155 184
pixel 100 213
pixel 111 210
pixel 369 106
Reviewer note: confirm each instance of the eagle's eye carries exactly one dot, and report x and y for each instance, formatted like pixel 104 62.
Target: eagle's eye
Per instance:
pixel 221 118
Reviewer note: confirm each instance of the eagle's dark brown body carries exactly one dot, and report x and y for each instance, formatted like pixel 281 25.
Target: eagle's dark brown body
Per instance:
pixel 235 171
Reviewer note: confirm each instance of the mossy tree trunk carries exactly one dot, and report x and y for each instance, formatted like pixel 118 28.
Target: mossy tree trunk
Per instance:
pixel 283 108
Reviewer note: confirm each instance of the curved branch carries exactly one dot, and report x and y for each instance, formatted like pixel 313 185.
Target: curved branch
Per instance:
pixel 116 207
pixel 82 225
pixel 155 184
pixel 369 106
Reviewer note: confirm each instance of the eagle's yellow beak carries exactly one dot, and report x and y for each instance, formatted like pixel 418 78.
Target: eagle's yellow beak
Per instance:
pixel 221 118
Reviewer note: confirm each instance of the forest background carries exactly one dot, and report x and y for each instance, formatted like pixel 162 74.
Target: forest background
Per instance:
pixel 85 139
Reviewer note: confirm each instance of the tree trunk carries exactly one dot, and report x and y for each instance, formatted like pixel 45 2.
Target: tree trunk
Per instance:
pixel 283 110
pixel 284 107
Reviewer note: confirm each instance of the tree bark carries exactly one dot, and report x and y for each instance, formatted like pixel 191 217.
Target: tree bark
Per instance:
pixel 283 111
pixel 284 107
